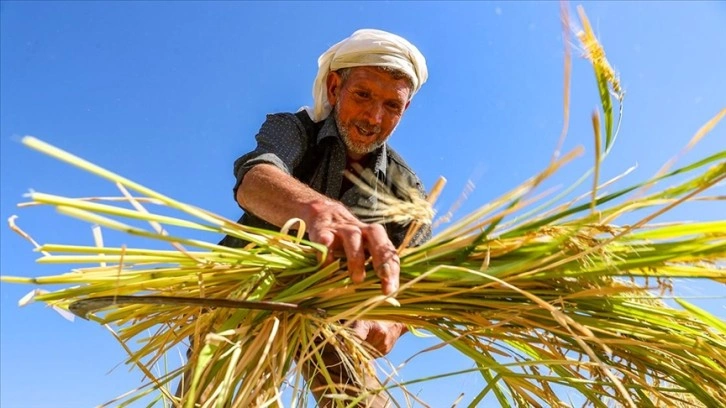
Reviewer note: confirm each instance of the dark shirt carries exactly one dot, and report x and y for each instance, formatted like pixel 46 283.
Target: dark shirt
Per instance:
pixel 316 155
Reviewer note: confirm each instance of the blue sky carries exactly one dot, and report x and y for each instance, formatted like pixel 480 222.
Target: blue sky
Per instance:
pixel 169 94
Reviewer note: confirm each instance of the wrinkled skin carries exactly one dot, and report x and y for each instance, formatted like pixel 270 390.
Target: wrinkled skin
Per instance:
pixel 369 105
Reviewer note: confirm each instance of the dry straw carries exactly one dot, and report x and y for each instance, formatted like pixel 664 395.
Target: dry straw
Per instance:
pixel 539 294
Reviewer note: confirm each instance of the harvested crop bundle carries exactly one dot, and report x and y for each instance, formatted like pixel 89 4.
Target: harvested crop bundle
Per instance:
pixel 537 292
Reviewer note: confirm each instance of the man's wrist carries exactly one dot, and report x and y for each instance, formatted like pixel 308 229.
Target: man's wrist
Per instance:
pixel 314 207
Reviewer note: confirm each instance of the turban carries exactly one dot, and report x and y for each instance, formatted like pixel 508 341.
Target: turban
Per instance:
pixel 367 47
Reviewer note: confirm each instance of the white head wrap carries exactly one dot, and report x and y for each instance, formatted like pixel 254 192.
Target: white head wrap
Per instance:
pixel 367 47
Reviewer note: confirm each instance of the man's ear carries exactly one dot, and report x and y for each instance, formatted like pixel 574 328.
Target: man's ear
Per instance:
pixel 332 86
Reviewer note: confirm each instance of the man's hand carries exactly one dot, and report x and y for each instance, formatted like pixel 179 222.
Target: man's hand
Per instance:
pixel 332 225
pixel 276 197
pixel 380 334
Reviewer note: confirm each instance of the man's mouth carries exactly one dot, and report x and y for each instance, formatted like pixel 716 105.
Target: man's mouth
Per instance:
pixel 366 131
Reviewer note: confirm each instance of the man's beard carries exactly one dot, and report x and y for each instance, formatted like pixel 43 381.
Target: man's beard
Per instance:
pixel 352 146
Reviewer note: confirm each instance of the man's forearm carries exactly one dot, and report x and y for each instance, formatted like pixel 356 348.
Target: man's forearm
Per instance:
pixel 276 196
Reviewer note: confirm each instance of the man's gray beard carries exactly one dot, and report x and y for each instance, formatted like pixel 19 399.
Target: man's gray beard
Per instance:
pixel 356 148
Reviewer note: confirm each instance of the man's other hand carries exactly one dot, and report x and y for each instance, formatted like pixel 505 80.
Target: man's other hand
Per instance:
pixel 379 334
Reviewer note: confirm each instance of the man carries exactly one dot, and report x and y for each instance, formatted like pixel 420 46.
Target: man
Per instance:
pixel 364 85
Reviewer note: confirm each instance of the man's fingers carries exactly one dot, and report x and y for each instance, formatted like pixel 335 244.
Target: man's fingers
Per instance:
pixel 380 335
pixel 361 329
pixel 354 252
pixel 358 240
pixel 388 272
pixel 385 258
pixel 326 238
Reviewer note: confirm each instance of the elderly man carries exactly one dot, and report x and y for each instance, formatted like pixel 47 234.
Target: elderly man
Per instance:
pixel 364 85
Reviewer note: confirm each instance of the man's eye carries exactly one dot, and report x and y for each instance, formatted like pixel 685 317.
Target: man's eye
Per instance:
pixel 362 94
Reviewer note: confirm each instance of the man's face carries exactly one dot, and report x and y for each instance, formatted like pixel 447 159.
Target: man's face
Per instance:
pixel 368 106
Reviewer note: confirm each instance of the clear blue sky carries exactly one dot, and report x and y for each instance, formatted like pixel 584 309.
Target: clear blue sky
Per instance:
pixel 169 94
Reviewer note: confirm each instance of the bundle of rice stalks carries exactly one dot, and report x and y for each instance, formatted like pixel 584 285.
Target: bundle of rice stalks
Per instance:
pixel 538 293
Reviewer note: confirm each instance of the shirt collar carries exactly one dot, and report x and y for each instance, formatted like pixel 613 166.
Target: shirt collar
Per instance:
pixel 330 129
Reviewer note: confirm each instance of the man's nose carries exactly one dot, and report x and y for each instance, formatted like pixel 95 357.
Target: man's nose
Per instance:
pixel 374 113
